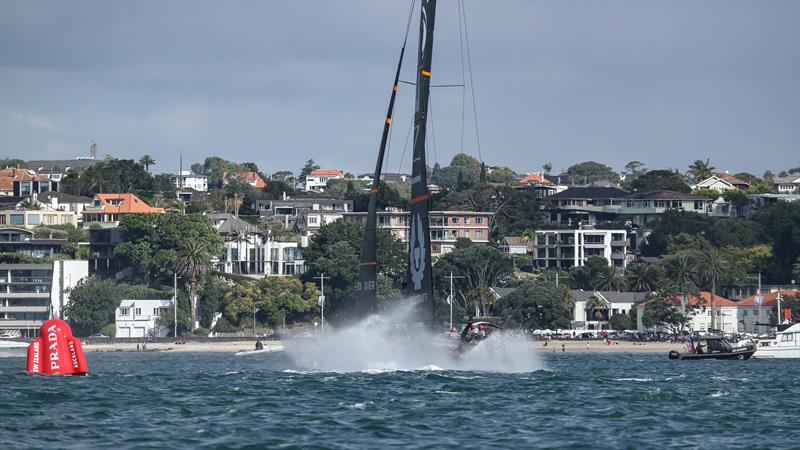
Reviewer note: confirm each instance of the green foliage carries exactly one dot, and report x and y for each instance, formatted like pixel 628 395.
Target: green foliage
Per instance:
pixel 741 233
pixel 502 175
pixel 589 171
pixel 201 332
pixel 686 242
pixel 109 175
pixel 620 322
pixel 661 312
pixel 92 304
pixel 535 305
pixel 19 258
pixel 214 168
pixel 796 270
pixel 657 180
pixel 387 196
pixel 608 279
pixel 642 277
pixel 151 242
pixel 463 172
pixel 736 197
pixel 782 223
pixel 274 300
pixel 582 277
pixel 109 330
pixel 308 168
pixel 70 232
pixel 12 162
pixel 334 250
pixel 700 170
pixel 707 193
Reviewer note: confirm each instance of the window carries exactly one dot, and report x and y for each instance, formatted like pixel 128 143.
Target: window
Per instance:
pixel 156 312
pixel 698 205
pixel 455 234
pixel 33 219
pixel 479 220
pixel 455 220
pixel 788 337
pixel 466 220
pixel 479 233
pixel 466 233
pixel 137 311
pixel 124 311
pixel 17 219
pixel 313 220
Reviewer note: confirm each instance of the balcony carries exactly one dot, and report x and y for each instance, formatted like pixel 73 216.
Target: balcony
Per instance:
pixel 25 309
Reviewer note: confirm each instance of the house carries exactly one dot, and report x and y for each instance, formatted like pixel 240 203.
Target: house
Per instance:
pixel 760 309
pixel 567 248
pixel 515 245
pixel 22 241
pixel 60 201
pixel 30 218
pixel 254 179
pixel 103 239
pixel 788 185
pixel 584 205
pixel 608 304
pixel 318 179
pixel 294 206
pixel 642 208
pixel 721 182
pixel 534 178
pixel 755 201
pixel 445 226
pixel 185 179
pixel 24 182
pixel 31 294
pixel 249 252
pixel 308 222
pixel 700 313
pixel 139 318
pixel 108 209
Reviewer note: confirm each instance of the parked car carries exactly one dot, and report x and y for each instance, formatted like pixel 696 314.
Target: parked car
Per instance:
pixel 98 336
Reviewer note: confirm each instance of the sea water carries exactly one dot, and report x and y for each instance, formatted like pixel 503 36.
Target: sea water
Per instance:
pixel 573 400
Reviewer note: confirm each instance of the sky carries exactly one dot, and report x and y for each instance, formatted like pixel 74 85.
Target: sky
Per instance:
pixel 277 83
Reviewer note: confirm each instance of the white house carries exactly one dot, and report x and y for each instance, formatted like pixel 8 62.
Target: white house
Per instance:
pixel 788 185
pixel 318 179
pixel 751 313
pixel 137 318
pixel 515 245
pixel 700 313
pixel 721 182
pixel 609 304
pixel 188 180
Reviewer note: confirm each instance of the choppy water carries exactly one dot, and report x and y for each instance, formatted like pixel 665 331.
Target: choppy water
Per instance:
pixel 158 400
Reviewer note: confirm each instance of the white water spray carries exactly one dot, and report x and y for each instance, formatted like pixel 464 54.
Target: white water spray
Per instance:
pixel 385 343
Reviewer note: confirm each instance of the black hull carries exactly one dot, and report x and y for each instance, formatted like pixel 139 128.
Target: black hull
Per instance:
pixel 741 355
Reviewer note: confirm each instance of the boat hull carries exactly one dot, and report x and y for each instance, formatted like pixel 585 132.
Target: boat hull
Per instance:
pixel 737 355
pixel 258 352
pixel 778 353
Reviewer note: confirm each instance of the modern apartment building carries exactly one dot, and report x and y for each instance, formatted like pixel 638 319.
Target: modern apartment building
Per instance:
pixel 567 248
pixel 445 226
pixel 30 294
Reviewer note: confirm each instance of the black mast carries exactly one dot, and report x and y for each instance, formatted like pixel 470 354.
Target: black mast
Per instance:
pixel 419 279
pixel 366 289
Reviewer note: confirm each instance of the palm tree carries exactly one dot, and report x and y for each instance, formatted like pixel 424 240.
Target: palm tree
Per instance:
pixel 147 161
pixel 712 266
pixel 608 279
pixel 701 170
pixel 641 277
pixel 681 270
pixel 527 236
pixel 194 261
pixel 179 205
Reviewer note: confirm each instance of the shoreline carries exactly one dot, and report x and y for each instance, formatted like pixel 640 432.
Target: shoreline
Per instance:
pixel 553 346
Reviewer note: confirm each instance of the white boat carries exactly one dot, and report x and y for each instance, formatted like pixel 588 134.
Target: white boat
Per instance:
pixel 785 345
pixel 13 349
pixel 275 349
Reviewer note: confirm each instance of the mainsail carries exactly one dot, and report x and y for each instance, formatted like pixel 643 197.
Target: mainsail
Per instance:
pixel 366 289
pixel 420 268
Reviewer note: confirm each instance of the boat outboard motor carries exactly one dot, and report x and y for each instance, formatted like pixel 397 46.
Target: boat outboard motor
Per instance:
pixel 56 351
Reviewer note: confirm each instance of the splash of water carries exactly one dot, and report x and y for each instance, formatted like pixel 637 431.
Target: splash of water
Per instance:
pixel 387 342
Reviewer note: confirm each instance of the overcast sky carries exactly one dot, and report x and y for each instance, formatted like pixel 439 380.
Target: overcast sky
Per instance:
pixel 277 83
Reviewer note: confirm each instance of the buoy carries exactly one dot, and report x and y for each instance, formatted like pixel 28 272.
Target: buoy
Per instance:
pixel 56 351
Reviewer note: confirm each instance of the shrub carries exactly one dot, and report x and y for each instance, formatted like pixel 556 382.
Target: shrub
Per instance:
pixel 109 330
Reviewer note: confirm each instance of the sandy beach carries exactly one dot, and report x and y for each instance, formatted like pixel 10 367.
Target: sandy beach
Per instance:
pixel 569 346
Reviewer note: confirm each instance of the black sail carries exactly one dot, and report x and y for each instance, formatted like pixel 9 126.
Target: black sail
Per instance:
pixel 366 289
pixel 420 269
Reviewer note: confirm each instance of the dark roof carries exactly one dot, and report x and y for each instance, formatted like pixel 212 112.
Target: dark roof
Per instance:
pixel 611 296
pixel 232 223
pixel 46 165
pixel 666 195
pixel 63 197
pixel 590 193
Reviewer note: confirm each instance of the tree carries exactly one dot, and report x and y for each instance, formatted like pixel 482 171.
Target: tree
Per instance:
pixel 309 167
pixel 12 163
pixel 535 305
pixel 502 175
pixel 796 270
pixel 194 261
pixel 660 311
pixel 282 175
pixel 642 277
pixel 700 170
pixel 147 161
pixel 781 222
pixel 620 322
pixel 547 167
pixel 463 172
pixel 712 194
pixel 681 270
pixel 482 267
pixel 589 171
pixel 608 279
pixel 593 303
pixel 658 180
pixel 92 304
pixel 712 266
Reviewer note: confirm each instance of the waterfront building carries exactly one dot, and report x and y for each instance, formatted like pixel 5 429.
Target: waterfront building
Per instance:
pixel 727 314
pixel 293 206
pixel 139 318
pixel 317 180
pixel 445 226
pixel 24 242
pixel 59 201
pixel 567 248
pixel 30 218
pixel 750 312
pixel 30 294
pixel 603 305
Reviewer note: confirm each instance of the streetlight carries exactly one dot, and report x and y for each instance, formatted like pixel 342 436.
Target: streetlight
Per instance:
pixel 175 303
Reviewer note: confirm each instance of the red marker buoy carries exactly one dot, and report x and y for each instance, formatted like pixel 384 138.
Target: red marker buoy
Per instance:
pixel 56 351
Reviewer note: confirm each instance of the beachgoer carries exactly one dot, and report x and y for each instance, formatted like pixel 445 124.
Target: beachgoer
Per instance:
pixel 563 348
pixel 259 345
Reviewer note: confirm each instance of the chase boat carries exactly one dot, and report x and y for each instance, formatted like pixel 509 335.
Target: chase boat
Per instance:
pixel 716 348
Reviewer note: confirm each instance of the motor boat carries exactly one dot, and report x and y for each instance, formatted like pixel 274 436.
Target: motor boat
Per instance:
pixel 13 349
pixel 472 334
pixel 717 347
pixel 273 349
pixel 785 345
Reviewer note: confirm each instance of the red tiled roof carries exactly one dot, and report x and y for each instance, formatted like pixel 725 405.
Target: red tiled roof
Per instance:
pixel 331 172
pixel 706 300
pixel 769 299
pixel 10 175
pixel 259 182
pixel 534 177
pixel 732 179
pixel 129 204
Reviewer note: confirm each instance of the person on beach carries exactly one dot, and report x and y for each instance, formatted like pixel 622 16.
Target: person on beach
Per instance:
pixel 563 348
pixel 259 345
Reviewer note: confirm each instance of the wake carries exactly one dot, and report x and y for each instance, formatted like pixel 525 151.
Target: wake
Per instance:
pixel 383 343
